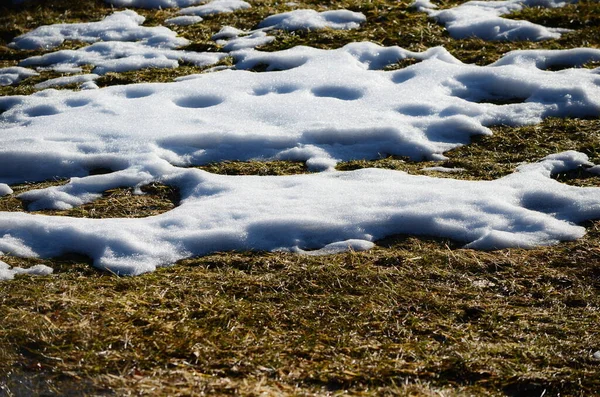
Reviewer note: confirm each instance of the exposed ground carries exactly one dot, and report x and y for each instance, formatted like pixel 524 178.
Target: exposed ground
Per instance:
pixel 414 316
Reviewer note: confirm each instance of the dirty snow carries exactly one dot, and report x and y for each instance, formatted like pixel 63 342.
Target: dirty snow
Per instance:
pixel 15 74
pixel 484 19
pixel 313 20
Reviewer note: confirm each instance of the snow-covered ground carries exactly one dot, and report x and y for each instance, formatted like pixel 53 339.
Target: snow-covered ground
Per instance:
pixel 311 105
pixel 484 19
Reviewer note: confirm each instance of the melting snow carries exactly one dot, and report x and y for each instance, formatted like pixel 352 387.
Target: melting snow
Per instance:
pixel 313 20
pixel 8 273
pixel 184 20
pixel 216 7
pixel 318 106
pixel 120 26
pixel 14 74
pixel 483 19
pixel 62 81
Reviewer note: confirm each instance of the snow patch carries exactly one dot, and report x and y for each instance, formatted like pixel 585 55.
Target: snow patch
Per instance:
pixel 66 80
pixel 483 19
pixel 14 74
pixel 216 7
pixel 313 20
pixel 8 273
pixel 120 26
pixel 184 20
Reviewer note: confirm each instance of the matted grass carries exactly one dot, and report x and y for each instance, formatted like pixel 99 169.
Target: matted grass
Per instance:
pixel 414 316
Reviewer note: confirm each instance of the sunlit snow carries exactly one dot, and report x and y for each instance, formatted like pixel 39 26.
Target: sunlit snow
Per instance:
pixel 484 19
pixel 316 106
pixel 14 74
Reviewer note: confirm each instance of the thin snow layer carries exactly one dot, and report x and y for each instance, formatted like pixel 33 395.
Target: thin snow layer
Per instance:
pixel 120 26
pixel 326 106
pixel 66 80
pixel 8 273
pixel 184 20
pixel 233 39
pixel 116 56
pixel 313 20
pixel 216 7
pixel 334 210
pixel 443 169
pixel 14 74
pixel 483 19
pixel 154 3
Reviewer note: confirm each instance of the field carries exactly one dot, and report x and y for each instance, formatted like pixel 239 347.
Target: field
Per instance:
pixel 412 316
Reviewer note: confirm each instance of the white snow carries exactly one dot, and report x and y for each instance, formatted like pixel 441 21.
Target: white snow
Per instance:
pixel 483 19
pixel 116 56
pixel 297 213
pixel 325 106
pixel 233 39
pixel 316 106
pixel 120 26
pixel 14 74
pixel 154 3
pixel 215 7
pixel 5 189
pixel 66 80
pixel 313 20
pixel 443 169
pixel 8 273
pixel 185 20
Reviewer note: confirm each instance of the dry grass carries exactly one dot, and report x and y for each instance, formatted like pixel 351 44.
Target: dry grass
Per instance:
pixel 414 316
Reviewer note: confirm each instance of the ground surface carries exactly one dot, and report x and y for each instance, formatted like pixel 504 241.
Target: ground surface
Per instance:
pixel 414 316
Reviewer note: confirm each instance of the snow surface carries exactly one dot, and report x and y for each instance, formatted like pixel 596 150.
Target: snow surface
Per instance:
pixel 483 19
pixel 120 26
pixel 14 74
pixel 5 189
pixel 8 273
pixel 325 106
pixel 116 56
pixel 66 80
pixel 443 169
pixel 216 7
pixel 313 20
pixel 154 3
pixel 321 106
pixel 184 20
pixel 296 213
pixel 233 39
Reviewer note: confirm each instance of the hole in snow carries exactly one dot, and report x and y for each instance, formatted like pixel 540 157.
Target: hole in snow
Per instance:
pixel 416 110
pixel 283 89
pixel 42 110
pixel 403 76
pixel 138 92
pixel 343 93
pixel 197 102
pixel 77 102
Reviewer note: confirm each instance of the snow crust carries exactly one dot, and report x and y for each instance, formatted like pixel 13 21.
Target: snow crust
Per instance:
pixel 313 20
pixel 5 189
pixel 14 74
pixel 8 273
pixel 120 26
pixel 483 19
